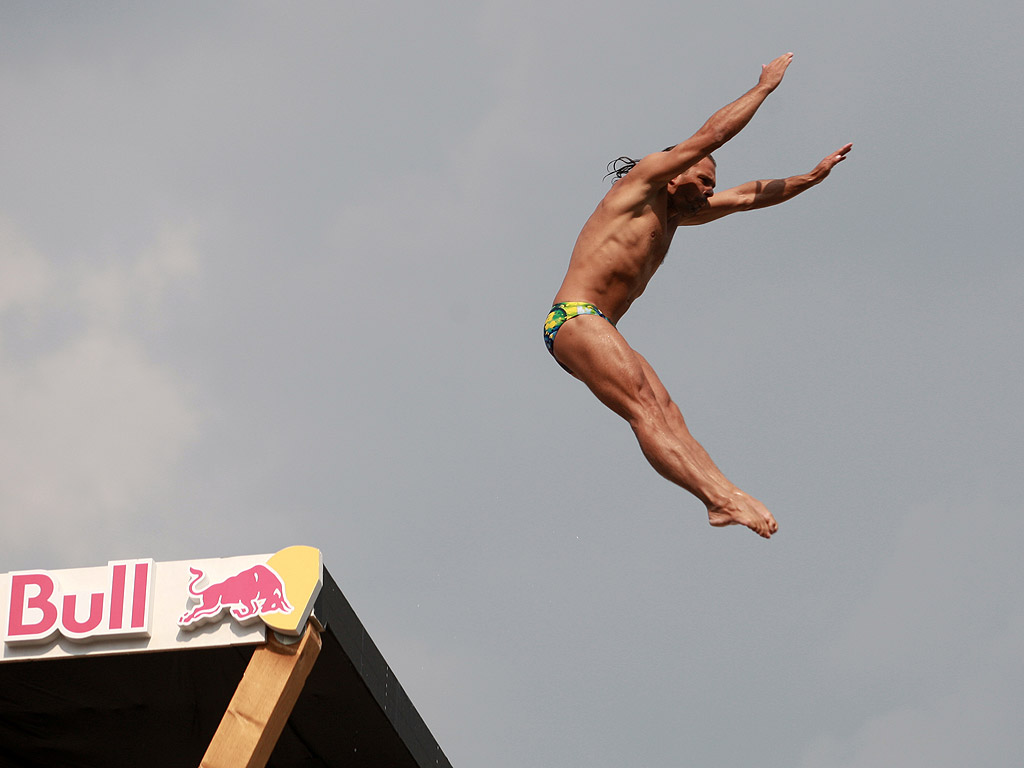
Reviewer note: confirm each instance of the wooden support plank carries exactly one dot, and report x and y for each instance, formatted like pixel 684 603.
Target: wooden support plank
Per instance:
pixel 263 702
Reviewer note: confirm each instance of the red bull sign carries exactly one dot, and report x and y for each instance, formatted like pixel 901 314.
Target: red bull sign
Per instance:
pixel 140 605
pixel 279 592
pixel 248 595
pixel 38 608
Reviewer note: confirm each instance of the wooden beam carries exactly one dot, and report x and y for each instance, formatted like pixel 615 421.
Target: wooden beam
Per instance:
pixel 263 702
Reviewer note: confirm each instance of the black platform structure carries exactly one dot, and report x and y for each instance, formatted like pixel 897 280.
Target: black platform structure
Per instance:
pixel 339 704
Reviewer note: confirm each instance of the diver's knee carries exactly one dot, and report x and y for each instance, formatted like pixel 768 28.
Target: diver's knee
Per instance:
pixel 645 406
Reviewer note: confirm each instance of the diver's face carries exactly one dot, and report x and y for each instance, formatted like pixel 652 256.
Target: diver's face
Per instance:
pixel 692 189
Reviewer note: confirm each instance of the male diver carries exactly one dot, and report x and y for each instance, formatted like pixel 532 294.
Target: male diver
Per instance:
pixel 619 249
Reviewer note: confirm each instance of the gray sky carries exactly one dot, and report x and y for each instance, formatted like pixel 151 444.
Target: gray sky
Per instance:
pixel 275 273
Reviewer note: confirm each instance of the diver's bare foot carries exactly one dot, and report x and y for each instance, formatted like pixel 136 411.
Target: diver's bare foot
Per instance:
pixel 741 509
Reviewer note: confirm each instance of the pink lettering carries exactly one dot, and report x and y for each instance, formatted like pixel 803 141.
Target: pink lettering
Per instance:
pixel 20 628
pixel 70 622
pixel 39 607
pixel 140 598
pixel 117 596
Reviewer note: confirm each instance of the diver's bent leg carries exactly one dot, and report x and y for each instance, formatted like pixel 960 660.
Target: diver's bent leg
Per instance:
pixel 736 507
pixel 599 356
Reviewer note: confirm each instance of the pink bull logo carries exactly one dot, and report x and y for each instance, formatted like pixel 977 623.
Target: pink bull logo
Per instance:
pixel 253 592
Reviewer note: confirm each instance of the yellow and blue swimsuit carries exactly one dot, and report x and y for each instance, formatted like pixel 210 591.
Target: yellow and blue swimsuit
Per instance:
pixel 562 311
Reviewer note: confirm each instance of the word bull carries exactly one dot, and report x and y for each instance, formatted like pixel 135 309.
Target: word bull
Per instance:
pixel 39 608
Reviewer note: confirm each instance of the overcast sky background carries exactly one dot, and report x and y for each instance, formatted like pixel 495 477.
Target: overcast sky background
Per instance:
pixel 275 273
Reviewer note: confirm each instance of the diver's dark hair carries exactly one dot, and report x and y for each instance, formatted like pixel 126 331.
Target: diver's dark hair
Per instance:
pixel 620 166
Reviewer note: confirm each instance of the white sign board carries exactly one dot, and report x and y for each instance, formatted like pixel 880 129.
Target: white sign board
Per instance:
pixel 140 605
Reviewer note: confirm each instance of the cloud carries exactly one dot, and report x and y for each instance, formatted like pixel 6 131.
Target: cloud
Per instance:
pixel 26 274
pixel 111 296
pixel 91 425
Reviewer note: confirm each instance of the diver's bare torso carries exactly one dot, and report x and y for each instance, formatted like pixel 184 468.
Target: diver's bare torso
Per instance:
pixel 619 249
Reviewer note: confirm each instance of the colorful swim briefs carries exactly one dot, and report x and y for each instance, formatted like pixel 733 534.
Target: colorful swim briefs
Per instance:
pixel 566 310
